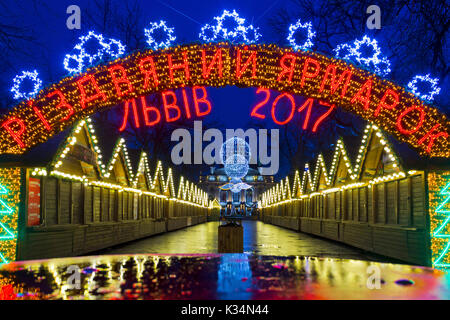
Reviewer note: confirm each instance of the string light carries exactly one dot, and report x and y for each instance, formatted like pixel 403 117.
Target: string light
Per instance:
pixel 89 56
pixel 297 185
pixel 281 193
pixel 433 82
pixel 311 74
pixel 156 44
pixel 208 33
pixel 344 51
pixel 240 33
pixel 236 187
pixel 439 197
pixel 75 63
pixel 115 48
pixel 10 182
pixel 188 194
pixel 235 154
pixel 251 34
pixel 166 184
pixel 305 28
pixel 33 76
pixel 376 62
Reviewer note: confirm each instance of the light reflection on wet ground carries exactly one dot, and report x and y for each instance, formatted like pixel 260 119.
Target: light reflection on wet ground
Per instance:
pixel 229 276
pixel 259 238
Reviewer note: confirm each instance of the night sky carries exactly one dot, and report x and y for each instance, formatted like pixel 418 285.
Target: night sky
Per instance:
pixel 44 40
pixel 47 21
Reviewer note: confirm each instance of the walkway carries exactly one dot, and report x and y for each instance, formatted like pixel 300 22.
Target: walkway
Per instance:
pixel 259 238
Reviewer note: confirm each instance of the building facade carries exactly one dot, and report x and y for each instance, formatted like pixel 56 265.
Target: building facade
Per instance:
pixel 244 202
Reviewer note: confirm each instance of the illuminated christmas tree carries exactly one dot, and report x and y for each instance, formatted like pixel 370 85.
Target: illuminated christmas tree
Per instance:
pixel 5 233
pixel 441 231
pixel 4 208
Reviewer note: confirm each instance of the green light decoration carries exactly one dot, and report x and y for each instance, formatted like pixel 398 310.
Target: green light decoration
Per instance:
pixel 442 209
pixel 5 210
pixel 2 259
pixel 10 235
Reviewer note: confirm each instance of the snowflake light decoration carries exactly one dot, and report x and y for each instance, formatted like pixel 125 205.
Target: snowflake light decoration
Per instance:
pixel 434 89
pixel 154 43
pixel 115 48
pixel 222 30
pixel 17 84
pixel 73 67
pixel 208 33
pixel 239 33
pixel 344 51
pixel 310 34
pixel 75 63
pixel 377 62
pixel 236 188
pixel 89 56
pixel 252 34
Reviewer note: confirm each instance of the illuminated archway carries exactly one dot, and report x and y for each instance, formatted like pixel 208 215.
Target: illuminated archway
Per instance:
pixel 310 74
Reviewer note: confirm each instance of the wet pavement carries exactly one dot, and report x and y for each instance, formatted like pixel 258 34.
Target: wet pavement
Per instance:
pixel 228 276
pixel 259 238
pixel 277 264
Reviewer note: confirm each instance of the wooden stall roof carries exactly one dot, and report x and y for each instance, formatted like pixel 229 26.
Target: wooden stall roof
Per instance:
pixel 357 160
pixel 39 156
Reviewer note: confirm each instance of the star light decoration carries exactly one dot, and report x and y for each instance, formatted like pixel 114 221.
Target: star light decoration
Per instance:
pixel 377 62
pixel 310 34
pixel 240 32
pixel 17 84
pixel 154 43
pixel 76 63
pixel 434 89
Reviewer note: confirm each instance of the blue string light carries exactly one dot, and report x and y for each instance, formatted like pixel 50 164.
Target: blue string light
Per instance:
pixel 91 58
pixel 305 27
pixel 235 154
pixel 76 63
pixel 208 33
pixel 17 84
pixel 158 44
pixel 69 64
pixel 376 62
pixel 237 34
pixel 236 166
pixel 434 89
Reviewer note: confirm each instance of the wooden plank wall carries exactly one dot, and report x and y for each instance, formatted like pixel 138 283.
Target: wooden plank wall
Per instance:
pixel 78 219
pixel 389 218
